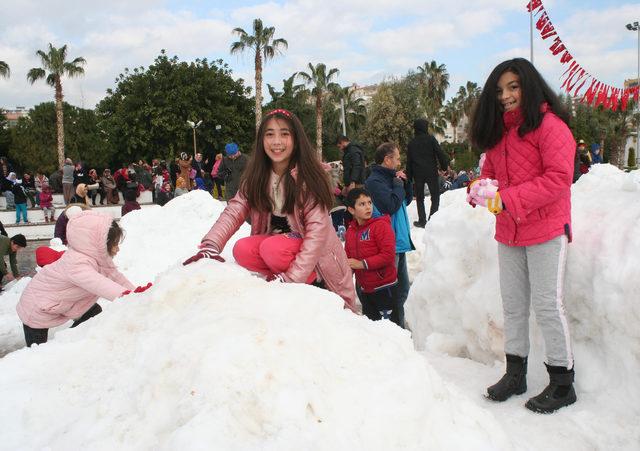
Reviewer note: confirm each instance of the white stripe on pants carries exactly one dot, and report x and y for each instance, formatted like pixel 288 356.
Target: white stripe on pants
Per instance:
pixel 535 274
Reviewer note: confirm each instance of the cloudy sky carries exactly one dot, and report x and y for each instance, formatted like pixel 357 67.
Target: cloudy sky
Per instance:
pixel 367 40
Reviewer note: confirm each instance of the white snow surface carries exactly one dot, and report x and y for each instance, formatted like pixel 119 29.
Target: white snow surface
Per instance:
pixel 213 357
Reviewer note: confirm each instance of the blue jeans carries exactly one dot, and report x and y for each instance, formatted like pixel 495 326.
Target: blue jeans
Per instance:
pixel 403 284
pixel 21 208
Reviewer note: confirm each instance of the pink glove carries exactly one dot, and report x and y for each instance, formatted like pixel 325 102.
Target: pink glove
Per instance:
pixel 204 252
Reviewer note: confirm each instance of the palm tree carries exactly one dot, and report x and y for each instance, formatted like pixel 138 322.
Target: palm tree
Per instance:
pixel 354 108
pixel 4 69
pixel 264 46
pixel 434 80
pixel 323 85
pixel 453 113
pixel 55 63
pixel 468 95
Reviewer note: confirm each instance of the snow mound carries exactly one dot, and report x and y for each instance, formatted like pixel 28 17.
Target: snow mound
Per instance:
pixel 214 357
pixel 156 237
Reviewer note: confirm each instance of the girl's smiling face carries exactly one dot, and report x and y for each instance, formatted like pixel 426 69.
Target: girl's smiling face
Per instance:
pixel 278 144
pixel 508 91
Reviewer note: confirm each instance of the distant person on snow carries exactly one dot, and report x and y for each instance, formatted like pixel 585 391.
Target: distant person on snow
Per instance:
pixel 370 245
pixel 528 188
pixel 285 192
pixel 68 288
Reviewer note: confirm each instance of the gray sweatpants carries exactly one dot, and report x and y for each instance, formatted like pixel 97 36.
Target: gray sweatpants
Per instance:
pixel 535 274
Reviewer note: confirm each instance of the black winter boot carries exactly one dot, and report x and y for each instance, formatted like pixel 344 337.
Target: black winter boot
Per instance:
pixel 514 382
pixel 559 392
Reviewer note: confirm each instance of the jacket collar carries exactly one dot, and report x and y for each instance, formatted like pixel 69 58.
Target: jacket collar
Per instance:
pixel 515 118
pixel 384 171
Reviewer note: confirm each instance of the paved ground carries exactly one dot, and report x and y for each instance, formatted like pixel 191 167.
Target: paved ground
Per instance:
pixel 27 256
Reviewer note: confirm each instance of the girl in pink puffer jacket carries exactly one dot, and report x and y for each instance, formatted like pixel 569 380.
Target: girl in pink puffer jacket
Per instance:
pixel 285 192
pixel 526 182
pixel 69 288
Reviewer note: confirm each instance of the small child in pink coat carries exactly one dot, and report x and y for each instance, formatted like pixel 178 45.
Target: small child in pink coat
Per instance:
pixel 68 289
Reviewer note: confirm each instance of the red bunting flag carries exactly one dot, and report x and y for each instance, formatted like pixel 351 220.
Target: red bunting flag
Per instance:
pixel 575 75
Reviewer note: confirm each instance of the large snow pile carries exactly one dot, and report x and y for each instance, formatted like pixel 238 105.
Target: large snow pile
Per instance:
pixel 214 357
pixel 454 305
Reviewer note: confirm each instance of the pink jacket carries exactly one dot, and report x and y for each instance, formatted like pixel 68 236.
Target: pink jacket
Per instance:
pixel 321 249
pixel 534 174
pixel 67 288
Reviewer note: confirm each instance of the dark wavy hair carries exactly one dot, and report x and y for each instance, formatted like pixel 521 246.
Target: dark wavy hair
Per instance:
pixel 115 235
pixel 487 126
pixel 311 182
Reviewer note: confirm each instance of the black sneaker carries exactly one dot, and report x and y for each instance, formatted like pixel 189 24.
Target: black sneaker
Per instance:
pixel 419 224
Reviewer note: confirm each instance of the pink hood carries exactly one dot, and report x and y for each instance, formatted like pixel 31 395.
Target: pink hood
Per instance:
pixel 68 287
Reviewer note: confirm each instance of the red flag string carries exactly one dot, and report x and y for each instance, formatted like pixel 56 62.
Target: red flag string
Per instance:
pixel 597 92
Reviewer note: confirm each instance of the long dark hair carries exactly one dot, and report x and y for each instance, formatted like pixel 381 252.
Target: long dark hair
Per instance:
pixel 311 182
pixel 487 126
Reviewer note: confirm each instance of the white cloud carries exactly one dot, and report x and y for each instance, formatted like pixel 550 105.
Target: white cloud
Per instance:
pixel 366 39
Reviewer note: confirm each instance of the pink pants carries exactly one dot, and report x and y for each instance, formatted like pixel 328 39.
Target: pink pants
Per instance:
pixel 268 254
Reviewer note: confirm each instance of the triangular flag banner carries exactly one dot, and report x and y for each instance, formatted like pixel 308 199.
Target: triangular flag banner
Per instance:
pixel 597 93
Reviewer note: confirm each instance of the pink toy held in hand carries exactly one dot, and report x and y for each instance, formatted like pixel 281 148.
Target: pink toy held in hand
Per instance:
pixel 481 190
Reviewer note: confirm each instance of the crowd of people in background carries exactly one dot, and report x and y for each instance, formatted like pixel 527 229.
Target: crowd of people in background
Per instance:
pixel 165 179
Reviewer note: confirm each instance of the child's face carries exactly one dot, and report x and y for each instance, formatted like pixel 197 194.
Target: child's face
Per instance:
pixel 278 142
pixel 362 210
pixel 508 91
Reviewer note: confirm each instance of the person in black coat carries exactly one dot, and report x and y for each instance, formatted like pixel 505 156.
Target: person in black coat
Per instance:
pixel 352 164
pixel 423 156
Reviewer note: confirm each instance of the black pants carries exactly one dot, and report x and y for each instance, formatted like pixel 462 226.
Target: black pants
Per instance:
pixel 39 336
pixel 94 194
pixel 434 192
pixel 381 304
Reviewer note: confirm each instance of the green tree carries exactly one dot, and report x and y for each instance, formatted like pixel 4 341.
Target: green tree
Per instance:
pixel 54 66
pixel 264 46
pixel 387 120
pixel 631 161
pixel 453 113
pixel 33 138
pixel 322 86
pixel 468 96
pixel 145 115
pixel 4 69
pixel 434 82
pixel 5 134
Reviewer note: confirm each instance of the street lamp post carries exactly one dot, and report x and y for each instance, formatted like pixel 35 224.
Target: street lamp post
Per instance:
pixel 635 26
pixel 193 126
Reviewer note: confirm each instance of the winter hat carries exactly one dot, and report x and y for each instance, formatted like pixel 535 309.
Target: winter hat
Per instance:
pixel 19 239
pixel 581 141
pixel 231 148
pixel 45 255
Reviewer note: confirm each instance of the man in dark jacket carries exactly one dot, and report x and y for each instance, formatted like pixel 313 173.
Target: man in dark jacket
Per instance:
pixel 423 156
pixel 231 169
pixel 352 164
pixel 391 192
